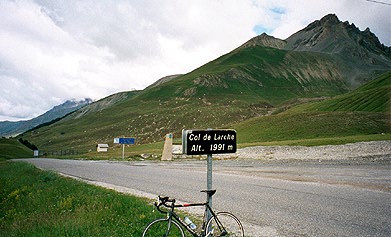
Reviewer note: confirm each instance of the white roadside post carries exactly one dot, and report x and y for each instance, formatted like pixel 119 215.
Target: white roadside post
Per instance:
pixel 167 149
pixel 123 151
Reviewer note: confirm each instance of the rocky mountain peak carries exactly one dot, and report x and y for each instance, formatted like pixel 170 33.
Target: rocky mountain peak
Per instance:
pixel 72 103
pixel 264 40
pixel 328 20
pixel 330 35
pixel 331 19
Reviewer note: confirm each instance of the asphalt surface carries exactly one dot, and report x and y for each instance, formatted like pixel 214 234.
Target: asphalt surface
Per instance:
pixel 272 198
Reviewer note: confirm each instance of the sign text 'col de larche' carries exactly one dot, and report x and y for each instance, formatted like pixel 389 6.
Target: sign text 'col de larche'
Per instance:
pixel 198 142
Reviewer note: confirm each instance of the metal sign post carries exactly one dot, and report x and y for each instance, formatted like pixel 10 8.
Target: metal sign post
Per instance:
pixel 209 170
pixel 198 142
pixel 123 141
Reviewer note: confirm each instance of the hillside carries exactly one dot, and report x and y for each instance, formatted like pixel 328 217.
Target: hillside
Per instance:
pixel 375 96
pixel 11 148
pixel 362 113
pixel 262 76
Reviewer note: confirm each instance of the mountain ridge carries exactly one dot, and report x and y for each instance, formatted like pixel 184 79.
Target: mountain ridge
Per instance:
pixel 344 41
pixel 310 38
pixel 307 38
pixel 8 128
pixel 251 81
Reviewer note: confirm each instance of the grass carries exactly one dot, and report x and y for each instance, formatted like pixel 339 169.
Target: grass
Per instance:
pixel 374 96
pixel 321 141
pixel 12 148
pixel 360 115
pixel 312 125
pixel 131 153
pixel 42 203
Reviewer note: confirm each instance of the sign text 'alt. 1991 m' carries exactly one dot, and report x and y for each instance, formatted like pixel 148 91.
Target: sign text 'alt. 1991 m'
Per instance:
pixel 197 142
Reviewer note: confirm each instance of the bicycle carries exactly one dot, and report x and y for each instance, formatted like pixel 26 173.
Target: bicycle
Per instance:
pixel 219 223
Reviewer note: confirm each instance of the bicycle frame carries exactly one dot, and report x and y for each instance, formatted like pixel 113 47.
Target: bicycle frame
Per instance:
pixel 204 233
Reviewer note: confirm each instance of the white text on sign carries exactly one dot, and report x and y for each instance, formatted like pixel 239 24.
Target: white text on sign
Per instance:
pixel 196 142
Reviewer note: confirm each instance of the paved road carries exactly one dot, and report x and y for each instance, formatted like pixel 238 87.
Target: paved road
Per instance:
pixel 282 198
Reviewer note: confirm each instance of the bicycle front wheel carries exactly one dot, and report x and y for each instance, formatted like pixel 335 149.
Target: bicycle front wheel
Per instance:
pixel 225 224
pixel 160 228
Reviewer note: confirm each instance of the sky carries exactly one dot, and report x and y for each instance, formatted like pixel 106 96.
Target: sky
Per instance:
pixel 55 50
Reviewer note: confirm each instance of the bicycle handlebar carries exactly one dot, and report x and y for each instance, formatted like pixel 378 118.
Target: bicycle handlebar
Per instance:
pixel 163 201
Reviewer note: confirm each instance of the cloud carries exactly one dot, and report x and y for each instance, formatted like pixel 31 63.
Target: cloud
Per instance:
pixel 54 50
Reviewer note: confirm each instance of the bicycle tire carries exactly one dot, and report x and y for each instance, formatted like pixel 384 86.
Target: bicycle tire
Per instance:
pixel 230 222
pixel 159 227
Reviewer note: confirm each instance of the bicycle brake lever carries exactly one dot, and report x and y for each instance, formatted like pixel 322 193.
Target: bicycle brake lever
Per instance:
pixel 158 202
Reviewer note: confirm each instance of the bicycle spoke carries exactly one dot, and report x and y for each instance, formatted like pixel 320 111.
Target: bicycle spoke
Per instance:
pixel 230 225
pixel 158 228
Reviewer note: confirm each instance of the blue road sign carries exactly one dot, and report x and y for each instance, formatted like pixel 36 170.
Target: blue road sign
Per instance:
pixel 126 140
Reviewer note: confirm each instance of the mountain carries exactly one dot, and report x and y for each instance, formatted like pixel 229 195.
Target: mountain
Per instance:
pixel 258 79
pixel 359 52
pixel 8 128
pixel 333 36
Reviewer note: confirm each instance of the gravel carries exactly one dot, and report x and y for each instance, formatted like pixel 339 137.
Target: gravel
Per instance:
pixel 373 150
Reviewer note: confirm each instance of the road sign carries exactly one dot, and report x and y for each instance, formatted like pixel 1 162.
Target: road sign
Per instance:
pixel 198 142
pixel 124 140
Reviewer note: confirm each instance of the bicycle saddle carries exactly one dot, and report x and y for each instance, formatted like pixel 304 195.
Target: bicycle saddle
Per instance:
pixel 209 192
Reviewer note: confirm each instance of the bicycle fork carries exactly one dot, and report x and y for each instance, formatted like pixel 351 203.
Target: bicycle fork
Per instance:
pixel 209 233
pixel 220 226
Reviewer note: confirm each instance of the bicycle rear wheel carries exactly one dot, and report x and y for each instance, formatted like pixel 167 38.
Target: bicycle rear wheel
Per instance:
pixel 231 225
pixel 160 228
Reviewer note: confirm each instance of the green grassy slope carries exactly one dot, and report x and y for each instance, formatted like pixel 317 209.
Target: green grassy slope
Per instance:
pixel 374 96
pixel 258 75
pixel 364 112
pixel 297 127
pixel 11 148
